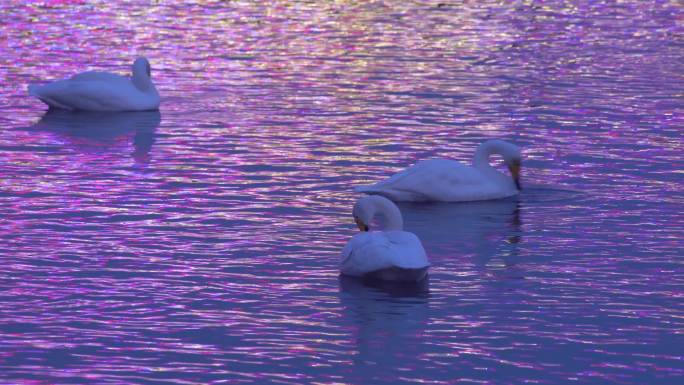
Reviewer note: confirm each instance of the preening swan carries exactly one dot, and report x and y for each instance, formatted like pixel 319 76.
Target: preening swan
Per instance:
pixel 102 91
pixel 451 181
pixel 391 254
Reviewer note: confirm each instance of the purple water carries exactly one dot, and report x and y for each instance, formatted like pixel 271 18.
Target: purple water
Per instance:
pixel 199 245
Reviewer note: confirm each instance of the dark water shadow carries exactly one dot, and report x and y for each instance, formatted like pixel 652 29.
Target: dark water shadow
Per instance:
pixel 486 234
pixel 388 320
pixel 96 131
pixel 533 194
pixel 383 289
pixel 466 227
pixel 460 236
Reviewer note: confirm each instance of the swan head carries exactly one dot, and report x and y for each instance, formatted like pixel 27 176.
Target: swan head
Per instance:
pixel 142 77
pixel 362 226
pixel 142 66
pixel 514 168
pixel 363 212
pixel 368 207
pixel 510 153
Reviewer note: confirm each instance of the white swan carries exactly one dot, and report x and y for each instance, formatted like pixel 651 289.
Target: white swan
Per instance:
pixel 392 254
pixel 451 181
pixel 102 91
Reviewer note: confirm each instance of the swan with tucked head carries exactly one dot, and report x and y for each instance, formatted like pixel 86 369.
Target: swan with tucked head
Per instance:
pixel 102 91
pixel 390 254
pixel 448 180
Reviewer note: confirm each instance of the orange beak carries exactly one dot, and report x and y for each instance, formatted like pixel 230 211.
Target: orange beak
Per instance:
pixel 362 226
pixel 514 168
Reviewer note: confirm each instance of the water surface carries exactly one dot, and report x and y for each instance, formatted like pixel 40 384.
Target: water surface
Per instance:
pixel 199 245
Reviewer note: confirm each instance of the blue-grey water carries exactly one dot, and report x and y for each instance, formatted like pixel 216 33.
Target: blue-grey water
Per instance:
pixel 200 244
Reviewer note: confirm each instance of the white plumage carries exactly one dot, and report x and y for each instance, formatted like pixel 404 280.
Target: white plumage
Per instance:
pixel 102 91
pixel 451 181
pixel 392 254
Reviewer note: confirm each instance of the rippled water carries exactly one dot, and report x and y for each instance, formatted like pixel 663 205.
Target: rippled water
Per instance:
pixel 200 244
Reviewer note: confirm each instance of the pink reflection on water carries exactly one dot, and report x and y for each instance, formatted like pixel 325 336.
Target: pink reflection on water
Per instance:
pixel 209 243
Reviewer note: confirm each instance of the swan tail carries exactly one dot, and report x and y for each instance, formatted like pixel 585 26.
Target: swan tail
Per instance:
pixel 42 93
pixel 366 189
pixel 33 90
pixel 374 189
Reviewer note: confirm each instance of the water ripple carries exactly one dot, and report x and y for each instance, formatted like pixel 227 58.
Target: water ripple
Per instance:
pixel 200 244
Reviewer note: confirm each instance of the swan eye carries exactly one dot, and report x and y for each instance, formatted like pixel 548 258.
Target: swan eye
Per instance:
pixel 148 69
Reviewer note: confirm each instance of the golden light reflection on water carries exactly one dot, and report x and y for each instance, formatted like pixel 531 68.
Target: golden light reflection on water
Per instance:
pixel 203 247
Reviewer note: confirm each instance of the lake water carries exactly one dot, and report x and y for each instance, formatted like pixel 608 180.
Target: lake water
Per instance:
pixel 200 244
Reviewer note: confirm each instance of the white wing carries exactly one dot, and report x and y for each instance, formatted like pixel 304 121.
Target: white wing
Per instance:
pixel 97 76
pixel 82 95
pixel 434 180
pixel 96 91
pixel 376 250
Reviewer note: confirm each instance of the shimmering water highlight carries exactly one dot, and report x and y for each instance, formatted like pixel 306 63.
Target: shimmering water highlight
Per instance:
pixel 199 245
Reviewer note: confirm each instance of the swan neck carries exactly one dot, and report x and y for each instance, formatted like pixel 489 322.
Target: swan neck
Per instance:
pixel 482 154
pixel 391 214
pixel 141 82
pixel 140 78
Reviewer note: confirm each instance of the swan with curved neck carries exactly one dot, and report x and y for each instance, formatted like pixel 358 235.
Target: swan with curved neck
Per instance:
pixel 391 254
pixel 369 207
pixel 102 91
pixel 142 74
pixel 448 180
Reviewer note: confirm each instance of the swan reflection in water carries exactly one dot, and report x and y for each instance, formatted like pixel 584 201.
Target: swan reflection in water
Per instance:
pixel 489 231
pixel 388 322
pixel 94 131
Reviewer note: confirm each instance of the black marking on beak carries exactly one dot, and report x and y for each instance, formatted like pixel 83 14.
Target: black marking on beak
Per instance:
pixel 148 69
pixel 362 226
pixel 514 168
